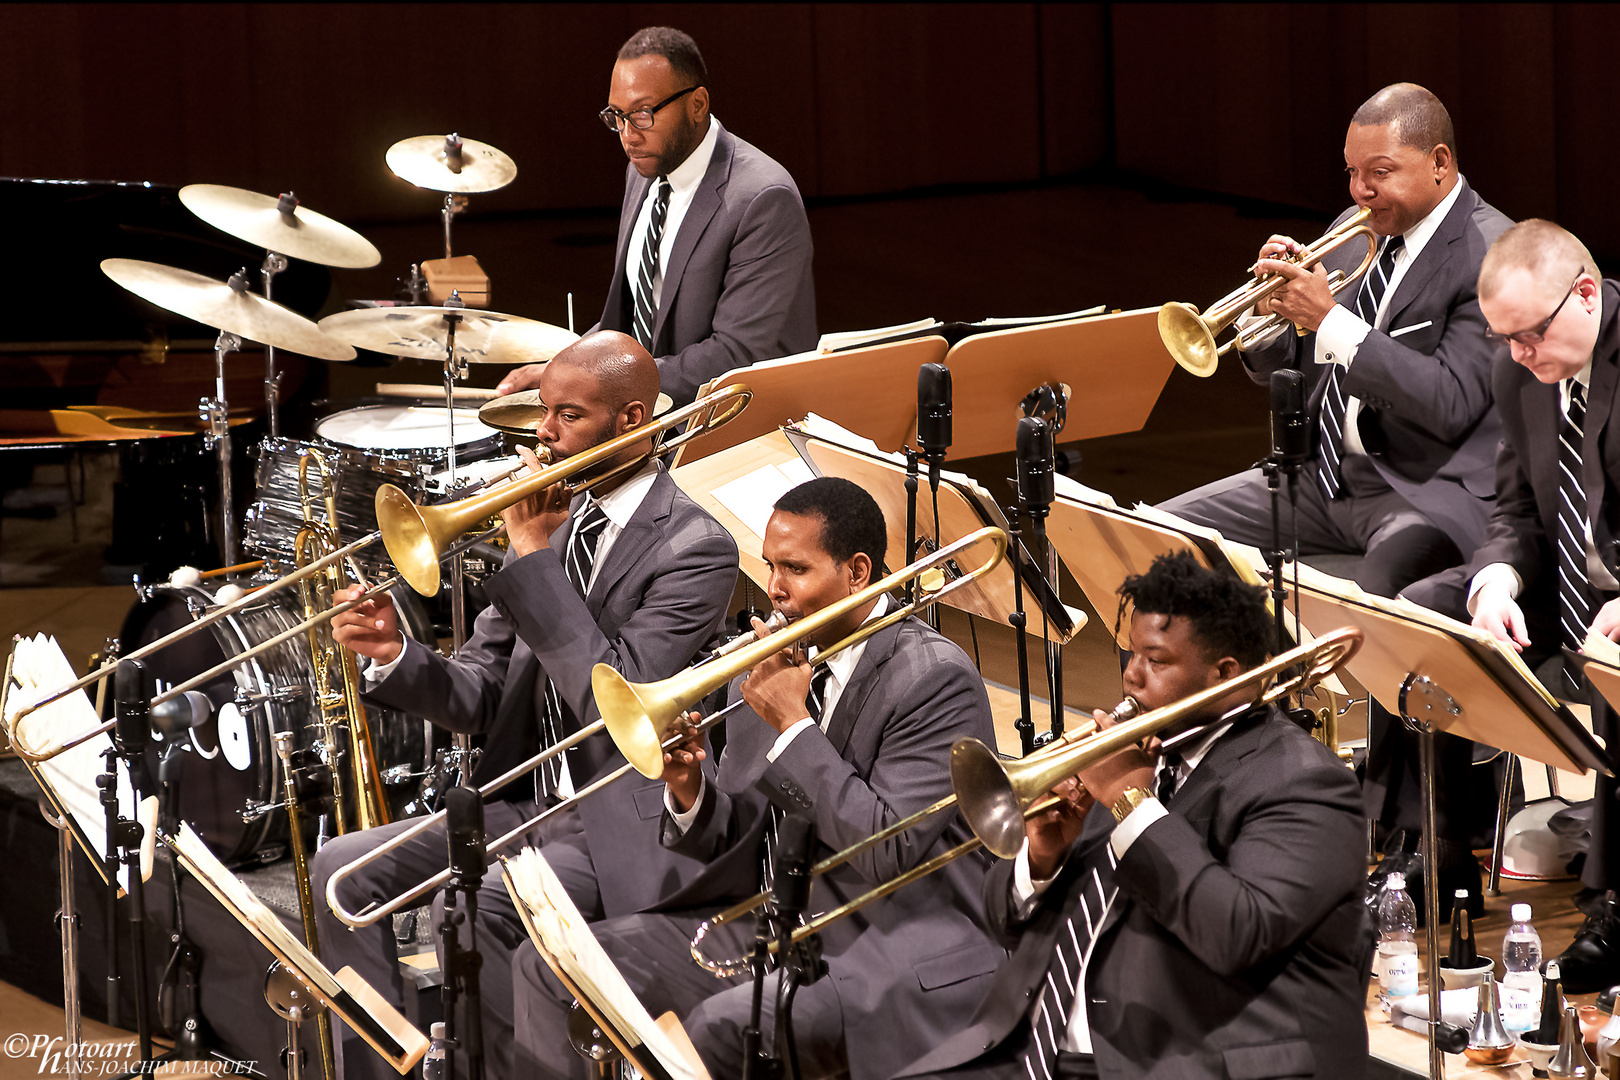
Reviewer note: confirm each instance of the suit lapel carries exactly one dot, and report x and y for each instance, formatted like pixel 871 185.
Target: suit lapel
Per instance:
pixel 705 204
pixel 638 535
pixel 1434 258
pixel 1600 395
pixel 852 700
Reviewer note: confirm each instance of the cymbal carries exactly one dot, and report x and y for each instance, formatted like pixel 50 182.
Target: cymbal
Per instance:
pixel 518 413
pixel 426 161
pixel 302 234
pixel 482 337
pixel 214 303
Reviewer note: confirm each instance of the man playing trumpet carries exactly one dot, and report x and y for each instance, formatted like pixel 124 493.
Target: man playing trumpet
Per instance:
pixel 633 574
pixel 1187 913
pixel 856 745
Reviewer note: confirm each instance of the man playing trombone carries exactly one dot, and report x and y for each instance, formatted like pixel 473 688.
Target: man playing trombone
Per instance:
pixel 632 574
pixel 856 746
pixel 1193 912
pixel 1398 381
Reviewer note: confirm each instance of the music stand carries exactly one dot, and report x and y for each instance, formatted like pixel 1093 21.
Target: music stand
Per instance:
pixel 349 996
pixel 659 1049
pixel 1438 674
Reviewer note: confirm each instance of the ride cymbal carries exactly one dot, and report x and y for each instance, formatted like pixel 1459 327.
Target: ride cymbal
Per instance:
pixel 482 337
pixel 298 233
pixel 220 305
pixel 517 414
pixel 450 163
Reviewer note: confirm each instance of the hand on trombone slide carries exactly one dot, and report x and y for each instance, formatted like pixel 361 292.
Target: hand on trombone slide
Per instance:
pixel 1307 298
pixel 1053 830
pixel 371 628
pixel 683 762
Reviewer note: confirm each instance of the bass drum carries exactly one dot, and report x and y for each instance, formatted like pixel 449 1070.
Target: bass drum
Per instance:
pixel 229 762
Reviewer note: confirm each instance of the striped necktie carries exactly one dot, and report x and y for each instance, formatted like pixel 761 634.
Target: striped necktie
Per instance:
pixel 580 558
pixel 773 814
pixel 1075 940
pixel 646 310
pixel 1330 448
pixel 1574 593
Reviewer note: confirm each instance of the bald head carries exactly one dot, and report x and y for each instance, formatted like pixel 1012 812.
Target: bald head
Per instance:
pixel 1549 253
pixel 623 370
pixel 1417 116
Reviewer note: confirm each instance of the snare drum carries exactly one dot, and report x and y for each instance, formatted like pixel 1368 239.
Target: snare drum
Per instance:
pixel 230 761
pixel 365 448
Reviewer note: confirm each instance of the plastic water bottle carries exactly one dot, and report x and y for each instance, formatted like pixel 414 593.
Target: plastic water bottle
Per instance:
pixel 1397 942
pixel 433 1061
pixel 1521 958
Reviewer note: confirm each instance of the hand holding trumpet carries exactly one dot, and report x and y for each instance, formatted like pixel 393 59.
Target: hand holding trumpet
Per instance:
pixel 1306 298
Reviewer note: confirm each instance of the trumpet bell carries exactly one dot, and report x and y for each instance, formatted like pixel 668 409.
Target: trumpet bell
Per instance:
pixel 1188 338
pixel 408 534
pixel 999 812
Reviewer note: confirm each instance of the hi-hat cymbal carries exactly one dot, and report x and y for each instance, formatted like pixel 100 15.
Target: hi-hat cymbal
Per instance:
pixel 300 234
pixel 518 413
pixel 215 303
pixel 482 337
pixel 428 161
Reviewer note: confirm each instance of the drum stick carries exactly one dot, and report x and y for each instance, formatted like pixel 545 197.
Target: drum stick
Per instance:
pixel 239 568
pixel 413 390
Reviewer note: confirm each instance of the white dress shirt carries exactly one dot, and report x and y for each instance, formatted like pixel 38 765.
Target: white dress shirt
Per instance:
pixel 683 184
pixel 839 671
pixel 1503 574
pixel 1027 891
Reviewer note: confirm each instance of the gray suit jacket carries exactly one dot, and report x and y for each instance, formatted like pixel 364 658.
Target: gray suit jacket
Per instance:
pixel 1238 944
pixel 909 968
pixel 660 596
pixel 1426 418
pixel 738 287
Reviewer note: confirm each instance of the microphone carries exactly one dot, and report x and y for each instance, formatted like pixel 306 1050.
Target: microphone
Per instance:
pixel 1290 427
pixel 179 715
pixel 1037 486
pixel 464 813
pixel 934 416
pixel 795 841
pixel 133 690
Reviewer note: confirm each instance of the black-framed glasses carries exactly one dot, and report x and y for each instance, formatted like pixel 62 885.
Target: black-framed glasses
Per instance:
pixel 1538 333
pixel 640 119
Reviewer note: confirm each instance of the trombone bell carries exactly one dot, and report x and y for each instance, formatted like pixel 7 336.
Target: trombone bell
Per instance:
pixel 409 536
pixel 1000 810
pixel 636 723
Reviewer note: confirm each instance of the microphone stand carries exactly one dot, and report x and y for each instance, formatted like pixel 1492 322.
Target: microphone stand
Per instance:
pixel 933 440
pixel 911 520
pixel 135 690
pixel 462 965
pixel 799 965
pixel 1025 724
pixel 1036 464
pixel 1290 449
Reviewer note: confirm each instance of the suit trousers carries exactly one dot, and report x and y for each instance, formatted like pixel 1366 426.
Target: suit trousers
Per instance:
pixel 653 953
pixel 1399 544
pixel 497 930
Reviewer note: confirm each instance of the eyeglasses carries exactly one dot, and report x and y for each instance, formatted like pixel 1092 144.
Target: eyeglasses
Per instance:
pixel 1536 334
pixel 641 119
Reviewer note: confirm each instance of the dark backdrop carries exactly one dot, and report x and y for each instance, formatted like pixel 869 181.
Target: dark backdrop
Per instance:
pixel 856 100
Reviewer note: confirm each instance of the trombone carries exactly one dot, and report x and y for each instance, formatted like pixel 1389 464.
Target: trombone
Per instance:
pixel 643 732
pixel 995 797
pixel 418 538
pixel 1190 336
pixel 640 715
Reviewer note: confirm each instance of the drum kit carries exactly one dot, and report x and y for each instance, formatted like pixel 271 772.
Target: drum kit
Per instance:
pixel 427 451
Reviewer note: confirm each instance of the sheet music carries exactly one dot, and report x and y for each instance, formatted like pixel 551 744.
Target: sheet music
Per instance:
pixel 846 338
pixel 752 497
pixel 1601 648
pixel 40 669
pixel 566 943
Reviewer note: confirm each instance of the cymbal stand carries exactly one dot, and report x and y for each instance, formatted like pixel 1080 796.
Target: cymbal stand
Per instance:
pixel 216 411
pixel 453 203
pixel 273 264
pixel 452 370
pixel 68 923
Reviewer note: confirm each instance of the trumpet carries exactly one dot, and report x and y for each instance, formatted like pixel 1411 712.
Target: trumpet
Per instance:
pixel 416 536
pixel 630 724
pixel 640 716
pixel 1190 336
pixel 996 798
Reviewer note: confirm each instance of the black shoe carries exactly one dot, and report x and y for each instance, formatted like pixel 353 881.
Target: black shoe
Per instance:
pixel 1592 961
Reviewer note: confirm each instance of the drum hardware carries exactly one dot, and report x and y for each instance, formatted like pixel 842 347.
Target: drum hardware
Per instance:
pixel 283 228
pixel 1190 336
pixel 287 997
pixel 996 797
pixel 238 315
pixel 451 164
pixel 67 921
pixel 414 533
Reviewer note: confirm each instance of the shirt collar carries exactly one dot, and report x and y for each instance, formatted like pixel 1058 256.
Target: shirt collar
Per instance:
pixel 842 665
pixel 1583 376
pixel 621 504
pixel 689 173
pixel 1417 237
pixel 1193 753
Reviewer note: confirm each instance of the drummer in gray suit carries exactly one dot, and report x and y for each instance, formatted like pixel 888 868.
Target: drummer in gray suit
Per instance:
pixel 712 267
pixel 632 574
pixel 857 746
pixel 1195 913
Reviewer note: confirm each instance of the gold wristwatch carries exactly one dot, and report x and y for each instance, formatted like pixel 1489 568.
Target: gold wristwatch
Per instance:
pixel 1129 800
